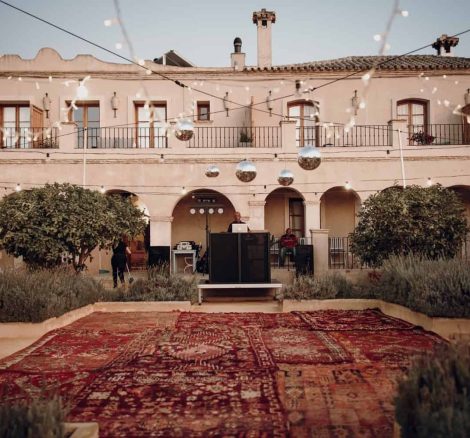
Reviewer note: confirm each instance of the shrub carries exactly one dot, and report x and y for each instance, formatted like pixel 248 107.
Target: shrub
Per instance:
pixel 434 398
pixel 38 419
pixel 62 221
pixel 329 285
pixel 427 221
pixel 160 285
pixel 34 296
pixel 434 287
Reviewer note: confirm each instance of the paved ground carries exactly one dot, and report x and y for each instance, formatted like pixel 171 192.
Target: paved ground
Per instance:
pixel 325 373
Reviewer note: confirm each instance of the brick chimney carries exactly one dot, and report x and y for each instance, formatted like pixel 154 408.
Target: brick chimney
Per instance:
pixel 263 20
pixel 445 42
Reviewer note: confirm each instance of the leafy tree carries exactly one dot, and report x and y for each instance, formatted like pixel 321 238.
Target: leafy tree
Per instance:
pixel 426 221
pixel 44 224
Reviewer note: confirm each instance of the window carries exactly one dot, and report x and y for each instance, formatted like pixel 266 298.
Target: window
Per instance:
pixel 87 116
pixel 203 111
pixel 296 216
pixel 21 125
pixel 414 111
pixel 150 125
pixel 305 113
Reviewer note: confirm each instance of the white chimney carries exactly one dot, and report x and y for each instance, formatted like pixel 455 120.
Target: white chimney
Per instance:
pixel 263 20
pixel 237 58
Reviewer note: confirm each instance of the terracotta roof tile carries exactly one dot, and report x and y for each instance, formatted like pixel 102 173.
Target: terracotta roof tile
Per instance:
pixel 351 63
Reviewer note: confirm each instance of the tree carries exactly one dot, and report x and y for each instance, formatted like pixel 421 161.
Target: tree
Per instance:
pixel 44 224
pixel 426 221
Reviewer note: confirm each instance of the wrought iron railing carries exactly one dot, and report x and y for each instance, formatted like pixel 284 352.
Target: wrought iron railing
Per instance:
pixel 236 136
pixel 29 138
pixel 438 134
pixel 340 255
pixel 122 138
pixel 340 136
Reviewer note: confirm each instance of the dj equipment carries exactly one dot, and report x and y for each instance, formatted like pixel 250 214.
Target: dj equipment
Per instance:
pixel 239 258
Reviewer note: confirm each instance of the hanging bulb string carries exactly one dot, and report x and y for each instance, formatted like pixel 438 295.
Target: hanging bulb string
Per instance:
pixel 179 83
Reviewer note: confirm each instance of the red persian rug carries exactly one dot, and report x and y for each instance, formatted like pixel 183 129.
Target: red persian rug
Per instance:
pixel 301 374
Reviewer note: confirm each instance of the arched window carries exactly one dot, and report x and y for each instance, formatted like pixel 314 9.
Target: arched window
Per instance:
pixel 415 112
pixel 305 113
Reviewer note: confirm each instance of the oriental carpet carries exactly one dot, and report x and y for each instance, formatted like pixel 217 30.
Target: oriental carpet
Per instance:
pixel 301 374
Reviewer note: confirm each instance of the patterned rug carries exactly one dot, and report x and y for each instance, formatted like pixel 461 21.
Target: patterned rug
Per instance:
pixel 301 374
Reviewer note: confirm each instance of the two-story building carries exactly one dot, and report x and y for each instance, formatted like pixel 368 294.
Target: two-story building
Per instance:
pixel 377 122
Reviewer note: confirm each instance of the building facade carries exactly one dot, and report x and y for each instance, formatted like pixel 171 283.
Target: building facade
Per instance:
pixel 377 121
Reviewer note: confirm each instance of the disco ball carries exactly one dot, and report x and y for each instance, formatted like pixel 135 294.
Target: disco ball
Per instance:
pixel 309 158
pixel 184 130
pixel 246 171
pixel 285 178
pixel 212 171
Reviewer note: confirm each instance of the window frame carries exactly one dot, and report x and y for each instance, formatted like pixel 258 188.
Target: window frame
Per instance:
pixel 154 104
pixel 301 141
pixel 203 104
pixel 34 113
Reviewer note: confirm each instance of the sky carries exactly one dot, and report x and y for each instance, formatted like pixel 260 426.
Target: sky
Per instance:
pixel 203 30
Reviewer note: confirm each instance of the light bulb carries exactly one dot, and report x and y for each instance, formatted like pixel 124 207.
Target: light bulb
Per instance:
pixel 184 191
pixel 18 187
pixel 220 210
pixel 82 91
pixel 192 211
pixel 347 185
pixel 201 211
pixel 211 211
pixel 429 182
pixel 102 190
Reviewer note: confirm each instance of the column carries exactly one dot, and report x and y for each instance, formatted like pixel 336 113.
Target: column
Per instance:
pixel 68 136
pixel 256 215
pixel 288 141
pixel 395 126
pixel 160 230
pixel 320 250
pixel 312 214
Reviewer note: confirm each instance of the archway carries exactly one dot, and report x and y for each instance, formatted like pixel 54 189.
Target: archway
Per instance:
pixel 139 245
pixel 194 211
pixel 338 210
pixel 284 208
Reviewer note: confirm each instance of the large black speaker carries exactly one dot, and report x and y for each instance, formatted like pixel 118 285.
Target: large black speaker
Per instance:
pixel 159 255
pixel 239 258
pixel 304 259
pixel 224 264
pixel 254 258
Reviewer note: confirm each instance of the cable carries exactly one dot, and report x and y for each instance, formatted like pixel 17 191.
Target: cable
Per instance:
pixel 177 82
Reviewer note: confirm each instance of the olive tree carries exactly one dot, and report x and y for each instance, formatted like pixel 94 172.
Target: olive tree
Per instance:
pixel 416 220
pixel 44 224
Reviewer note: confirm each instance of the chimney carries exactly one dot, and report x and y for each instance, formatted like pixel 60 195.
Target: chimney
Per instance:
pixel 445 42
pixel 263 20
pixel 237 57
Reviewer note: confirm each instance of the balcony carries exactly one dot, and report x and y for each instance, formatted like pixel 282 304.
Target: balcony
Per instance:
pixel 439 134
pixel 122 138
pixel 339 136
pixel 236 136
pixel 29 138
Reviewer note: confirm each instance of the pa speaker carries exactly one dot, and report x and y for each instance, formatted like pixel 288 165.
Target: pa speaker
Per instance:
pixel 223 258
pixel 304 259
pixel 254 258
pixel 159 255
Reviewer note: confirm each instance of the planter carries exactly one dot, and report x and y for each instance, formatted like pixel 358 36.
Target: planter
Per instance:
pixel 81 430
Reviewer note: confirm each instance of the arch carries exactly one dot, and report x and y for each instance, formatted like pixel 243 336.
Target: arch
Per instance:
pixel 192 227
pixel 140 244
pixel 203 190
pixel 284 208
pixel 338 211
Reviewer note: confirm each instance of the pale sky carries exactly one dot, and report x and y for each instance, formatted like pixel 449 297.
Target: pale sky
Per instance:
pixel 203 30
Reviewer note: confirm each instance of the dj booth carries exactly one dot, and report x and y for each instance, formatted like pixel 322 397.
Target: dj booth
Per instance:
pixel 239 258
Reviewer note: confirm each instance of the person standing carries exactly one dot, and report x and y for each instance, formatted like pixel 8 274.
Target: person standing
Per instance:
pixel 119 261
pixel 237 219
pixel 287 243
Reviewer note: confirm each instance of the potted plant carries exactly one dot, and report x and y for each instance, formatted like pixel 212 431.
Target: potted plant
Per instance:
pixel 245 139
pixel 422 138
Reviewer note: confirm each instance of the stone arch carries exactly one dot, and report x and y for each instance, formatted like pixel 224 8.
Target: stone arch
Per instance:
pixel 189 225
pixel 284 208
pixel 338 211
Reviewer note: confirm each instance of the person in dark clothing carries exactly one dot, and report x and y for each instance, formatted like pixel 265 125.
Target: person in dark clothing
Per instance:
pixel 119 261
pixel 237 219
pixel 287 243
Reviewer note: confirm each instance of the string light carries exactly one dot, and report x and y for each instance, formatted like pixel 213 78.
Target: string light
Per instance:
pixel 347 185
pixel 18 187
pixel 429 182
pixel 102 190
pixel 184 191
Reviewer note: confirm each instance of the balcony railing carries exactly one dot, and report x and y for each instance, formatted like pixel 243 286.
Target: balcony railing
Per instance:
pixel 339 136
pixel 29 138
pixel 235 137
pixel 340 255
pixel 438 134
pixel 122 138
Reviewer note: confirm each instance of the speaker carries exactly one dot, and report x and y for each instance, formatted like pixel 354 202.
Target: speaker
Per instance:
pixel 304 259
pixel 254 258
pixel 159 255
pixel 223 258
